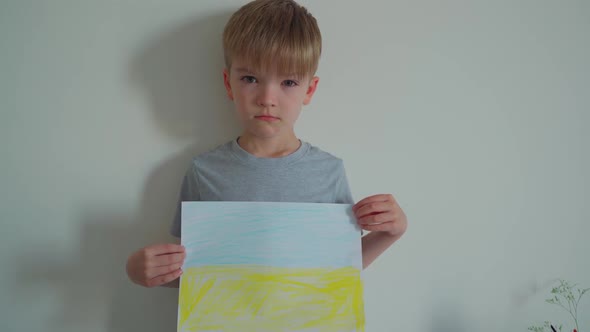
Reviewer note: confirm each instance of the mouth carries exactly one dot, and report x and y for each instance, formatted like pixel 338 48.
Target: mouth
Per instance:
pixel 268 118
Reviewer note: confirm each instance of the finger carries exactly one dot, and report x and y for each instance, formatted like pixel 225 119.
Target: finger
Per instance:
pixel 372 208
pixel 160 280
pixel 162 270
pixel 164 260
pixel 163 249
pixel 374 198
pixel 377 218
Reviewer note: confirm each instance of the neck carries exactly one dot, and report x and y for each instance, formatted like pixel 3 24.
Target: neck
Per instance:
pixel 269 148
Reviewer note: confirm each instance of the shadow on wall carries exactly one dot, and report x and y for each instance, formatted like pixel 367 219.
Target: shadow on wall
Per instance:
pixel 181 75
pixel 180 72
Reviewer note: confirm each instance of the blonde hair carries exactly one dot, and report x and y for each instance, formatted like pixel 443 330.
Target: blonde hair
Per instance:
pixel 273 35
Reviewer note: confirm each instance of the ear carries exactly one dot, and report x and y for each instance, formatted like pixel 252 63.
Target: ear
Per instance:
pixel 313 85
pixel 230 94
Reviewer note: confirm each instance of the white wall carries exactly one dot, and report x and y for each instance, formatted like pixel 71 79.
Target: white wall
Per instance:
pixel 474 114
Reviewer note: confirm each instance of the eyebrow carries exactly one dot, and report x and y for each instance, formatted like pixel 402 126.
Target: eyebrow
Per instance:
pixel 242 70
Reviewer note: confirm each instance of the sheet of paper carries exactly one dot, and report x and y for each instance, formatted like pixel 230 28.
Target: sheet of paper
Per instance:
pixel 261 266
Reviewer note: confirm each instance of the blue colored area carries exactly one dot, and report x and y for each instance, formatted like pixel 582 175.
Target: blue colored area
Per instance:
pixel 270 234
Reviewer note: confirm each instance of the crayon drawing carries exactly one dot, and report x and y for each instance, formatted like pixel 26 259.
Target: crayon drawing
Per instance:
pixel 259 266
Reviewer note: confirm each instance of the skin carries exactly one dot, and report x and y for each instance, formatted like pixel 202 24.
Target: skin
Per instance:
pixel 268 105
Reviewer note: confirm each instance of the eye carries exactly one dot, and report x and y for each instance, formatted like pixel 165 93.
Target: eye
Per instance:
pixel 248 79
pixel 290 83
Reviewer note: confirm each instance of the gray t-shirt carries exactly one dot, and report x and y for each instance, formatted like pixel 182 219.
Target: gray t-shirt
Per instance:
pixel 230 173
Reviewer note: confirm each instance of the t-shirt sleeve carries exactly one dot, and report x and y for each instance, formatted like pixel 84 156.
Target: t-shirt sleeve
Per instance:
pixel 189 191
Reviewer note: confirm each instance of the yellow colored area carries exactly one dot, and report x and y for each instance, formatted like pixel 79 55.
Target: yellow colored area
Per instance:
pixel 259 298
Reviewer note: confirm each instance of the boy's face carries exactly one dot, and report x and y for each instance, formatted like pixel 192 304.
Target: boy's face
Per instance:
pixel 268 104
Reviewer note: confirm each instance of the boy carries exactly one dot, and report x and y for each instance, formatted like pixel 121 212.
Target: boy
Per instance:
pixel 272 49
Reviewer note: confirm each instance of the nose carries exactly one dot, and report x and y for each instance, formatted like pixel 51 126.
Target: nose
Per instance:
pixel 266 96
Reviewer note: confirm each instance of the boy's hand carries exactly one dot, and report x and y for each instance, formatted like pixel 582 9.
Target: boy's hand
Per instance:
pixel 381 213
pixel 156 265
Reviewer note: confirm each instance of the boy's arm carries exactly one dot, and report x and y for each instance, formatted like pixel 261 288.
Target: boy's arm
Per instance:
pixel 374 244
pixel 386 221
